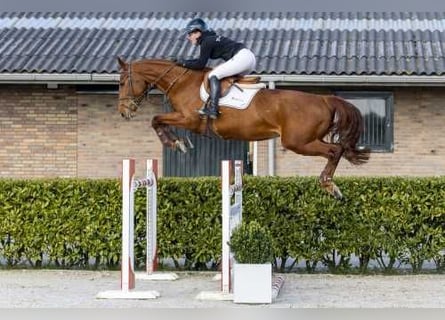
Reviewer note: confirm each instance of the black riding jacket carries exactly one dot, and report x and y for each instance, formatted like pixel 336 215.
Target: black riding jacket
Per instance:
pixel 213 46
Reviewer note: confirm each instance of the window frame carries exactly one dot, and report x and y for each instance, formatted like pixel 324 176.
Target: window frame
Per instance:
pixel 388 97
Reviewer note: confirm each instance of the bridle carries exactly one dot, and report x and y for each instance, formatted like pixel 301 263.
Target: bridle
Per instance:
pixel 137 100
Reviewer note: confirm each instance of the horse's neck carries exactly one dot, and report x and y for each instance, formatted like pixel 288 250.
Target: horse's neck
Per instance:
pixel 184 94
pixel 178 81
pixel 166 76
pixel 180 85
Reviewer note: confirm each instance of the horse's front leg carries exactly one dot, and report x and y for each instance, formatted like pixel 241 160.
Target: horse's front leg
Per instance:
pixel 161 123
pixel 168 138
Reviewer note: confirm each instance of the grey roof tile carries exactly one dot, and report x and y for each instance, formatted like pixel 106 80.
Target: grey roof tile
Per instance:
pixel 334 43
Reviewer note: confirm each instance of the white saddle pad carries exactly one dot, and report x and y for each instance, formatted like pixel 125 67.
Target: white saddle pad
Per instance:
pixel 238 97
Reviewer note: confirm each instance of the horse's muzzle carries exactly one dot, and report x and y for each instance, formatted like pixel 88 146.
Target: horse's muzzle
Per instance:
pixel 126 112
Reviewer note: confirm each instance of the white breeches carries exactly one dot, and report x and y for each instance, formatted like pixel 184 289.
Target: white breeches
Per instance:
pixel 241 63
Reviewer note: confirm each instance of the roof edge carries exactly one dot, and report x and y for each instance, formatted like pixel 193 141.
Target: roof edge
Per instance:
pixel 282 79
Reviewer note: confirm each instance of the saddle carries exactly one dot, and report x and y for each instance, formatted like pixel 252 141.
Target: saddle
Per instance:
pixel 227 83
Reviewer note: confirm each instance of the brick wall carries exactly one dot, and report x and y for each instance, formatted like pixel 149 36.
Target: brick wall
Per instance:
pixel 62 133
pixel 105 138
pixel 37 132
pixel 58 132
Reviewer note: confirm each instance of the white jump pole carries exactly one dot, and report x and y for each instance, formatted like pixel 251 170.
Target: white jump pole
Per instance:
pixel 127 268
pixel 231 217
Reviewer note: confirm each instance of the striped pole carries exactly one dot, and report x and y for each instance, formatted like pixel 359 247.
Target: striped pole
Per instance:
pixel 151 217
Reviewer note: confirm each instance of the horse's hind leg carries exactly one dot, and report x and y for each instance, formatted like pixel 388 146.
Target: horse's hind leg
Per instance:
pixel 332 152
pixel 327 174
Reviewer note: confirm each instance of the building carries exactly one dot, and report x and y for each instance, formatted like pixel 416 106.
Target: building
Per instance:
pixel 59 82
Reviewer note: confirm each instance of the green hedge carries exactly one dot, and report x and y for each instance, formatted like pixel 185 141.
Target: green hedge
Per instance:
pixel 77 223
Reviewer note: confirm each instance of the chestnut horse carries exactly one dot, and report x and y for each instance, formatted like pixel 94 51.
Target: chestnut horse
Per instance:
pixel 308 124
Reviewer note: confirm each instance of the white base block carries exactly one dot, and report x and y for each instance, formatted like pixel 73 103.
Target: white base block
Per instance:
pixel 135 295
pixel 214 295
pixel 156 276
pixel 252 283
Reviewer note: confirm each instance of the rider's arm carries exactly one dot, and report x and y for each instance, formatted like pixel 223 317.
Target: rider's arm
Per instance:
pixel 204 56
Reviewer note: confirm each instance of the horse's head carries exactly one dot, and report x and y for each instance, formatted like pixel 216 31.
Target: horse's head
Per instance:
pixel 132 90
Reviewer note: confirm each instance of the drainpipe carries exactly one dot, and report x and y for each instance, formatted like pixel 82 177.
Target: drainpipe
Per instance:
pixel 270 150
pixel 271 145
pixel 255 158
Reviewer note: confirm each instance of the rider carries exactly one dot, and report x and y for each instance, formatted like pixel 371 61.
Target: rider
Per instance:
pixel 238 59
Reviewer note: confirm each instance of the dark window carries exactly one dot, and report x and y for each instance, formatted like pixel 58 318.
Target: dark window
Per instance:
pixel 377 111
pixel 97 89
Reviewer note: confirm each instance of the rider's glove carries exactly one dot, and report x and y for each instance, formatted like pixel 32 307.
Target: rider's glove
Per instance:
pixel 178 61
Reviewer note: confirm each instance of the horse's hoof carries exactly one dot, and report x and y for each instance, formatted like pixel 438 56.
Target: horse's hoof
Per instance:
pixel 189 142
pixel 181 146
pixel 337 193
pixel 333 190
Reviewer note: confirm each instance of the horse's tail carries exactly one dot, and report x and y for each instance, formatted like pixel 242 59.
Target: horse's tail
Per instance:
pixel 346 129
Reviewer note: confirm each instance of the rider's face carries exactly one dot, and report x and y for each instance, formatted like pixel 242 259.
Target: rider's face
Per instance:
pixel 193 36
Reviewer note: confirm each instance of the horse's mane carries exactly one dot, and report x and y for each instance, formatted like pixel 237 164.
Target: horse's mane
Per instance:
pixel 155 61
pixel 164 62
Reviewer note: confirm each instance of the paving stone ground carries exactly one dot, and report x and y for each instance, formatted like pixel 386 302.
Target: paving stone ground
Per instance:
pixel 78 289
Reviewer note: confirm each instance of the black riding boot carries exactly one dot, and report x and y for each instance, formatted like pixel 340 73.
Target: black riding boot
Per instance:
pixel 215 92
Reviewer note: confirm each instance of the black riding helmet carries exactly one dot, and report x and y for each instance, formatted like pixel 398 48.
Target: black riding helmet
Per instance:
pixel 196 24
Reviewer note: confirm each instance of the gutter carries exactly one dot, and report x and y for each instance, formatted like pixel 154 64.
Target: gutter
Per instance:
pixel 279 80
pixel 355 80
pixel 59 78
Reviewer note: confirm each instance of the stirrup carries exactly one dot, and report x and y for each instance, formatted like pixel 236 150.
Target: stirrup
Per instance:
pixel 213 114
pixel 213 110
pixel 203 111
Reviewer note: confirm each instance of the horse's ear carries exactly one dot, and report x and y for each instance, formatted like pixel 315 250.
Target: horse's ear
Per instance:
pixel 122 63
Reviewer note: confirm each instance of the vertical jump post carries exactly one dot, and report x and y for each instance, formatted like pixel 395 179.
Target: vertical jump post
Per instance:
pixel 128 276
pixel 232 208
pixel 231 215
